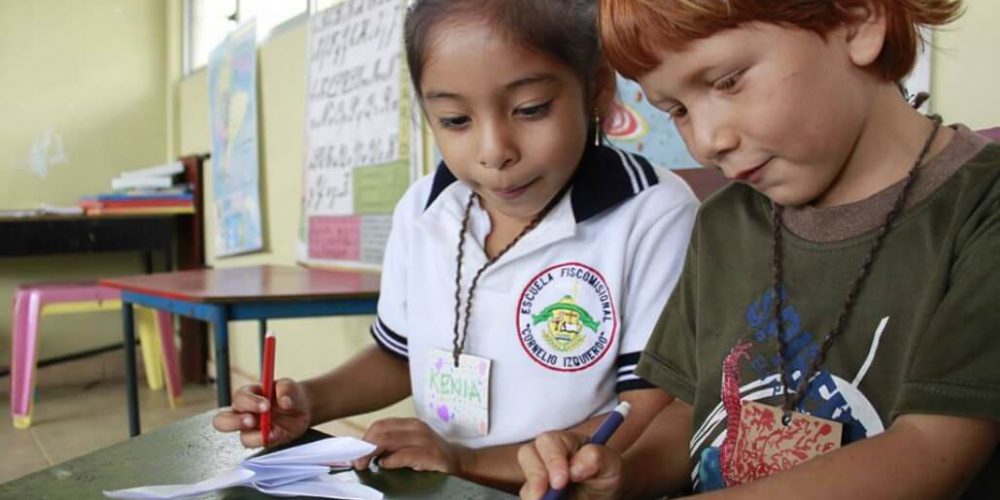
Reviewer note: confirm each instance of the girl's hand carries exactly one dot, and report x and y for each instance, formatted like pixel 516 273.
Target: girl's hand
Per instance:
pixel 556 460
pixel 290 418
pixel 411 443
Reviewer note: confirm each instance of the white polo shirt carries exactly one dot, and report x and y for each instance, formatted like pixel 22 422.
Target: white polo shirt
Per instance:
pixel 563 315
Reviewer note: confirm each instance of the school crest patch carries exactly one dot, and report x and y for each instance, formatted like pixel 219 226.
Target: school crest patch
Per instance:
pixel 566 318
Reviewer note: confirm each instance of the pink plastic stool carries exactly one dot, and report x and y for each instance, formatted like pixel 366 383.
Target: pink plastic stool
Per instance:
pixel 31 302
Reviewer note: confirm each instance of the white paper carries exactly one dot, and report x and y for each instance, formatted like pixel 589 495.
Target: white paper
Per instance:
pixel 232 478
pixel 339 451
pixel 299 470
pixel 344 486
pixel 270 477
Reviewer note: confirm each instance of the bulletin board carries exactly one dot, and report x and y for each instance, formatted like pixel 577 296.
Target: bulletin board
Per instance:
pixel 358 133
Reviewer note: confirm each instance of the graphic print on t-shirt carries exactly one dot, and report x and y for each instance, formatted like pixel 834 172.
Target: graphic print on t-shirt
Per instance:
pixel 566 319
pixel 830 396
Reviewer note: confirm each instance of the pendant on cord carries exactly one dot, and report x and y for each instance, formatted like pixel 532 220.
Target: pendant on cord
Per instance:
pixel 770 441
pixel 458 399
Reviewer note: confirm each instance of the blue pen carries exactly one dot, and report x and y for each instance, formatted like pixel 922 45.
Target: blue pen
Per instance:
pixel 600 436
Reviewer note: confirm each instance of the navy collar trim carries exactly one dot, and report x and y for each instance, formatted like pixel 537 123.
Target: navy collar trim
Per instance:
pixel 606 177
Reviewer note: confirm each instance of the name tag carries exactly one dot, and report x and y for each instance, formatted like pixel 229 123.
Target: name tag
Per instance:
pixel 458 399
pixel 764 445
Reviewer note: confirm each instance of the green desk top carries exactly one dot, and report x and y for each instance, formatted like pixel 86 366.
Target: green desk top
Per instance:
pixel 189 451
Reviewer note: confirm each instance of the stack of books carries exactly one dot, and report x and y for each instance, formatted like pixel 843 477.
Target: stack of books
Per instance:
pixel 159 189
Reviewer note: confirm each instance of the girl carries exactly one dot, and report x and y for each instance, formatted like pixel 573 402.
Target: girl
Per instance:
pixel 834 332
pixel 522 278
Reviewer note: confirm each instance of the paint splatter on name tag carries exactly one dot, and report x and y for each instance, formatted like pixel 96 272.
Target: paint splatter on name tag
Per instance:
pixel 764 445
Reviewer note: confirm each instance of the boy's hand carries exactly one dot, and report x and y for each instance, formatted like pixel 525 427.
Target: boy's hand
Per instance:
pixel 556 459
pixel 289 419
pixel 411 443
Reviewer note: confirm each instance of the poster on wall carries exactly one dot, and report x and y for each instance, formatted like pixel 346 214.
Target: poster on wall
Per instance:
pixel 357 160
pixel 636 126
pixel 232 99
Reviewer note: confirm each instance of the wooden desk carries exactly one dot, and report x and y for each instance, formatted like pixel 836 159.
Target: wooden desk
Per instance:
pixel 41 235
pixel 71 234
pixel 219 296
pixel 189 451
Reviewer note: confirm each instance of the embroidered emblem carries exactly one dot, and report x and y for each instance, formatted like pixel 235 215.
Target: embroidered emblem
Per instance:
pixel 565 322
pixel 566 317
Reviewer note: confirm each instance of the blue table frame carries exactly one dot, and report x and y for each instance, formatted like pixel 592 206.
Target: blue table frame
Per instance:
pixel 219 314
pixel 219 296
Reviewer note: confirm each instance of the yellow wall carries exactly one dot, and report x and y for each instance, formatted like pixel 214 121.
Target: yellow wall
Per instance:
pixel 966 67
pixel 89 75
pixel 308 347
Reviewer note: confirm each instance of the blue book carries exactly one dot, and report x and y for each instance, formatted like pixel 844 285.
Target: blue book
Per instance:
pixel 141 196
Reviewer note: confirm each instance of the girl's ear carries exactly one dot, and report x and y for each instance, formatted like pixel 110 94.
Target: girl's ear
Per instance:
pixel 865 34
pixel 604 89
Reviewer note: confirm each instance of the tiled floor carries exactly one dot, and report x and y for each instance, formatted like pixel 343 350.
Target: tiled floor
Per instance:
pixel 80 408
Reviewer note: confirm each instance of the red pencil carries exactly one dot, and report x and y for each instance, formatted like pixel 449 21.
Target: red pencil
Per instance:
pixel 267 386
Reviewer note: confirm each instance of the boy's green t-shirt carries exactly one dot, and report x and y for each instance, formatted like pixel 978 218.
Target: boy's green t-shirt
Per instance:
pixel 924 334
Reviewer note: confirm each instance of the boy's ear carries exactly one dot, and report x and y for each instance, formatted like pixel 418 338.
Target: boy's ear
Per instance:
pixel 866 32
pixel 604 89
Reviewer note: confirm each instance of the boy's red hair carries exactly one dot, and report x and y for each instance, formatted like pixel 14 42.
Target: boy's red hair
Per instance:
pixel 633 31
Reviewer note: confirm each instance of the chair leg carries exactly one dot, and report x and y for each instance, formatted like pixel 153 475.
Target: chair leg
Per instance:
pixel 26 313
pixel 168 351
pixel 146 327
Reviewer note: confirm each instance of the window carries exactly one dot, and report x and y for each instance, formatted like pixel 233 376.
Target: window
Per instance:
pixel 207 22
pixel 319 5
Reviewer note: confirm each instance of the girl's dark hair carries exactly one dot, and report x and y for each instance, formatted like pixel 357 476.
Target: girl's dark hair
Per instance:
pixel 565 30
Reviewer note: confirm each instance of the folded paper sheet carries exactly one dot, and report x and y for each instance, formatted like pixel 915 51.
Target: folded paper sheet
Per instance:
pixel 299 470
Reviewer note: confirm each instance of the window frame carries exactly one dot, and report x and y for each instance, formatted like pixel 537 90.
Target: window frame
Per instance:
pixel 188 66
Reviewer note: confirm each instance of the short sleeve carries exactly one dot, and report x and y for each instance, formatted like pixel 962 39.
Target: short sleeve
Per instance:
pixel 389 327
pixel 668 360
pixel 656 265
pixel 954 368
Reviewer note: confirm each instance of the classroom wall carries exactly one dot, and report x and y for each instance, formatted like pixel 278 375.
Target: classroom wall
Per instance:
pixel 966 67
pixel 82 98
pixel 307 347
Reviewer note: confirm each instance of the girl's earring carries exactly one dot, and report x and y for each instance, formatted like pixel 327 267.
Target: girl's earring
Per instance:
pixel 597 128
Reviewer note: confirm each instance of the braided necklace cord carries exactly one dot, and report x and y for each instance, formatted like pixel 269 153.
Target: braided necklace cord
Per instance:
pixel 458 341
pixel 791 402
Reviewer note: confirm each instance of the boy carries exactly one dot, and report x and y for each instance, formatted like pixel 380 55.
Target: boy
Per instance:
pixel 833 333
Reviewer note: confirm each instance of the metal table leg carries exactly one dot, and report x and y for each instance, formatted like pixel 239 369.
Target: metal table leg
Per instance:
pixel 221 327
pixel 130 384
